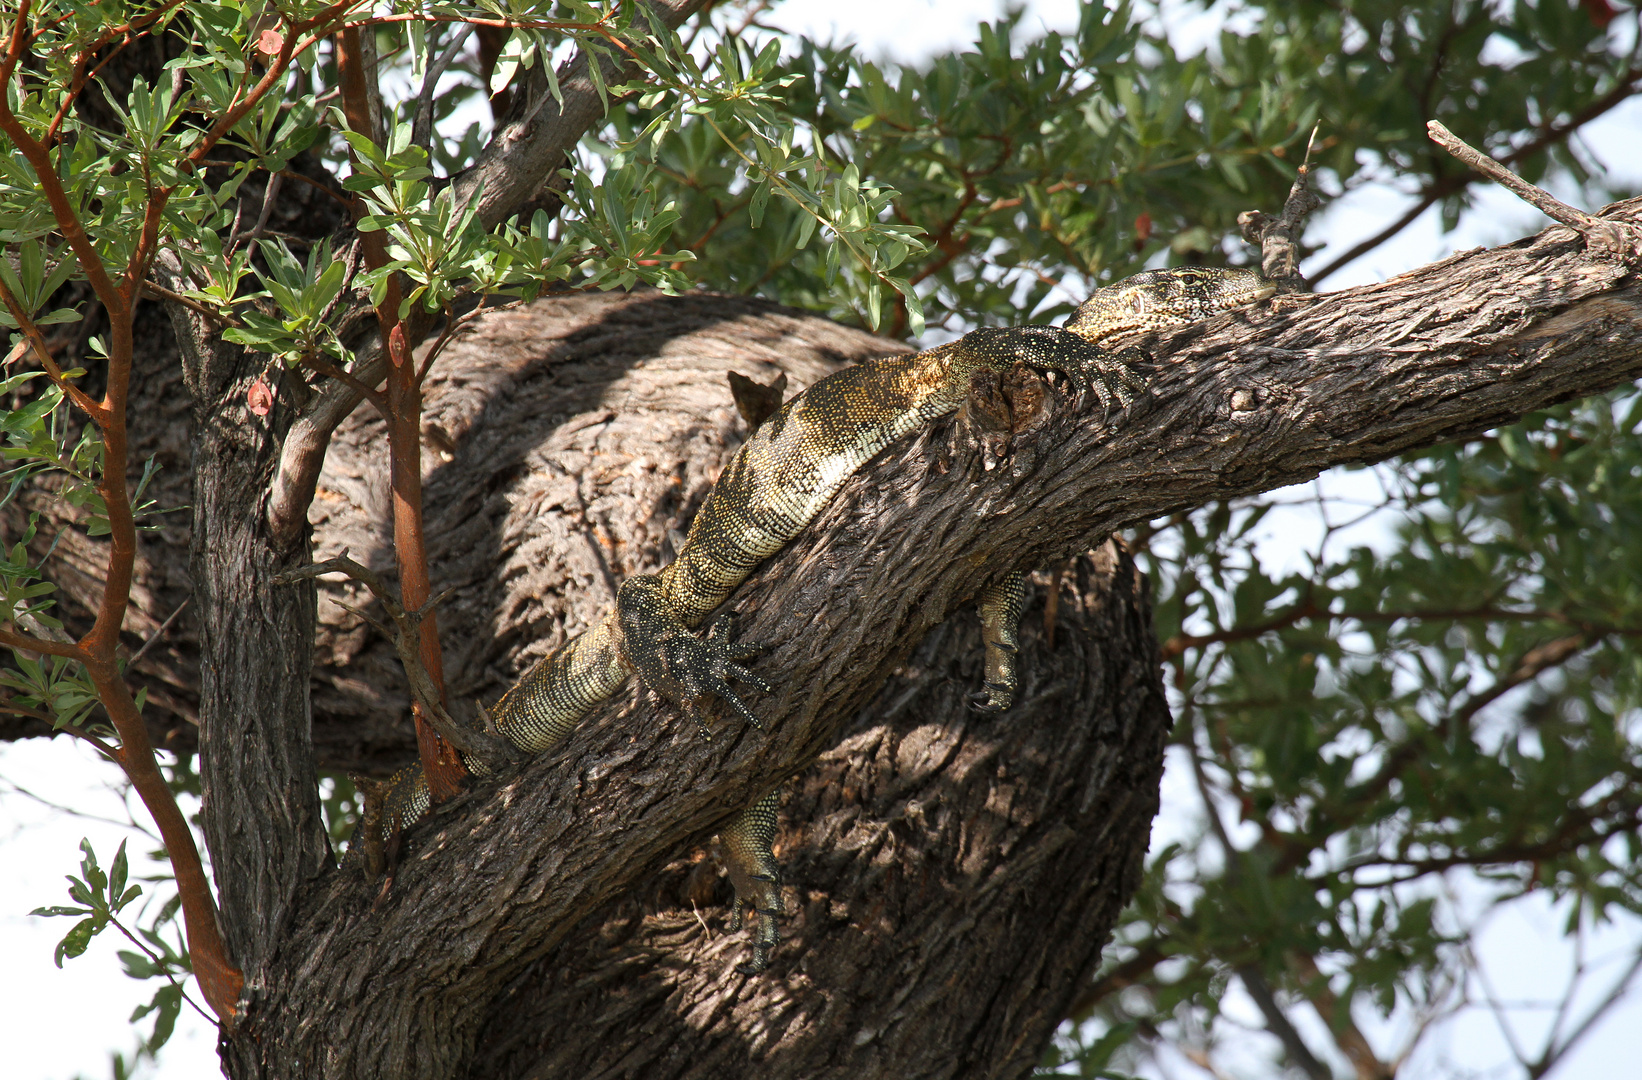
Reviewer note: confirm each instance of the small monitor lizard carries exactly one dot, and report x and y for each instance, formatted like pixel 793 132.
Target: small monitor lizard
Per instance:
pixel 781 478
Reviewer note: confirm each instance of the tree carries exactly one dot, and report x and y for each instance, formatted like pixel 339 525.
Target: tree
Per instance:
pixel 141 146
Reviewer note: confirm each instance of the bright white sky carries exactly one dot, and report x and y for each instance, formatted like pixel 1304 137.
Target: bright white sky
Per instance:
pixel 60 1024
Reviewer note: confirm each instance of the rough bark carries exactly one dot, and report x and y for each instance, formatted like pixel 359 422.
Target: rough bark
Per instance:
pixel 260 807
pixel 538 129
pixel 1249 402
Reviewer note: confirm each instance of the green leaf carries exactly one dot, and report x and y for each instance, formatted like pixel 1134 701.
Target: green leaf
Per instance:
pixel 116 877
pixel 76 941
pixel 760 199
pixel 60 910
pixel 138 966
pixel 168 1001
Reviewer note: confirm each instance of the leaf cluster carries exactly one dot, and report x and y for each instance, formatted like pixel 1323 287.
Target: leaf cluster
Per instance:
pixel 1031 169
pixel 99 899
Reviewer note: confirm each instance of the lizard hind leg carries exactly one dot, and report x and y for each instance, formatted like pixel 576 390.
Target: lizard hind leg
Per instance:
pixel 756 876
pixel 1000 610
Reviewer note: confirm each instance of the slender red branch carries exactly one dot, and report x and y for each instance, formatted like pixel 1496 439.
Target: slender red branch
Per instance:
pixel 219 979
pixel 499 24
pixel 110 752
pixel 29 643
pixel 135 28
pixel 163 293
pixel 42 352
pixel 371 394
pixel 404 416
pixel 39 159
pixel 277 68
pixel 453 325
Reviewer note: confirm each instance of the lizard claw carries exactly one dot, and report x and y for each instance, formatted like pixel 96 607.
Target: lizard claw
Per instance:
pixel 765 937
pixel 718 637
pixel 716 665
pixel 995 698
pixel 1113 376
pixel 674 662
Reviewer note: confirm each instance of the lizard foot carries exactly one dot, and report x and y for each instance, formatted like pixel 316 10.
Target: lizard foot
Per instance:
pixel 764 911
pixel 674 662
pixel 756 876
pixel 1115 376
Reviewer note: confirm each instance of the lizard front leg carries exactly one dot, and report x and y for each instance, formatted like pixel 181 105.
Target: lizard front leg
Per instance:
pixel 674 662
pixel 1115 376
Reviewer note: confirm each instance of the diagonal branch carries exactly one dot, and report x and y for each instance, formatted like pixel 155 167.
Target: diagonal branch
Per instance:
pixel 1442 187
pixel 1555 1052
pixel 1605 236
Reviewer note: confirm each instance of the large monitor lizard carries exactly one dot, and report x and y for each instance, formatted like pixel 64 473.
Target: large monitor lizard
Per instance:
pixel 780 479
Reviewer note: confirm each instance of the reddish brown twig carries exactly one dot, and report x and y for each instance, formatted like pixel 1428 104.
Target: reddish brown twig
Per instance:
pixel 440 762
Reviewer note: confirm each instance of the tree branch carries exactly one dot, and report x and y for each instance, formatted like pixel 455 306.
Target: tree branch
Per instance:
pixel 1607 237
pixel 1247 403
pixel 403 415
pixel 1444 186
pixel 1555 1052
pixel 523 153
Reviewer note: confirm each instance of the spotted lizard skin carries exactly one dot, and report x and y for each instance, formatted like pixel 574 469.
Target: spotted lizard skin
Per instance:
pixel 791 467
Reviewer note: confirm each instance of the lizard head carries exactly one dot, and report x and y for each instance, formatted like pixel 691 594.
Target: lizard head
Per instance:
pixel 1160 299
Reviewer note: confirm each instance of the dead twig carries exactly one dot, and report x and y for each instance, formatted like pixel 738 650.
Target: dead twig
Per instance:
pixel 1603 237
pixel 1279 237
pixel 155 636
pixel 486 749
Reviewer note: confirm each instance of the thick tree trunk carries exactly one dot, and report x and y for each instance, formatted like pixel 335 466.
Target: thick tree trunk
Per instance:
pixel 259 753
pixel 532 524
